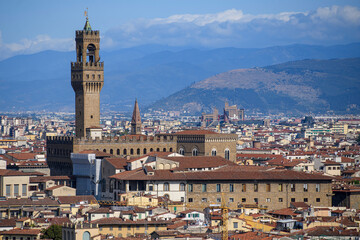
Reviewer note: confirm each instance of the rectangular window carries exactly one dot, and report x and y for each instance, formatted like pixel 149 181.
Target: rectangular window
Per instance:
pixel 129 227
pixel 137 227
pixel 317 187
pixel 292 199
pixel 292 187
pixel 16 189
pixel 218 200
pixel 243 189
pixel 204 200
pixel 235 225
pixel 268 200
pixel 111 228
pixel 305 199
pixel 218 187
pixel 280 187
pixel 256 200
pixel 8 190
pixel 256 187
pixel 317 199
pixel 231 199
pixel 119 228
pixel 24 190
pixel 204 187
pixel 305 187
pixel 231 187
pixel 151 188
pixel 243 200
pixel 190 200
pixel 280 200
pixel 268 187
pixel 190 187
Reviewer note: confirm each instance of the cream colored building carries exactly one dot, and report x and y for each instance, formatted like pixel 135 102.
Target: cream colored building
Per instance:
pixel 15 184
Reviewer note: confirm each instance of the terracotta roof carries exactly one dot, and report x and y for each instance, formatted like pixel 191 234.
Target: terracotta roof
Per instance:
pixel 29 202
pixel 299 205
pixel 8 222
pixel 114 220
pixel 224 173
pixel 5 172
pixel 22 156
pixel 328 162
pixel 48 178
pixel 177 225
pixel 284 212
pixel 200 162
pixel 100 210
pixel 118 163
pixel 76 199
pixel 22 232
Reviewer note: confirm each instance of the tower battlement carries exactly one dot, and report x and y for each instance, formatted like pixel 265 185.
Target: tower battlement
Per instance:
pixel 60 139
pixel 87 66
pixel 82 33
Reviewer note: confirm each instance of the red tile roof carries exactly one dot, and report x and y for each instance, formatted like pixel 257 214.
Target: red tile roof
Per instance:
pixel 22 232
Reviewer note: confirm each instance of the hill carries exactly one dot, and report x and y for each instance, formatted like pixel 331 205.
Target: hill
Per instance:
pixel 42 81
pixel 295 87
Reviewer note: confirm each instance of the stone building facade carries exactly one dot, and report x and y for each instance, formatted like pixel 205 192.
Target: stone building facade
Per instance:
pixel 200 186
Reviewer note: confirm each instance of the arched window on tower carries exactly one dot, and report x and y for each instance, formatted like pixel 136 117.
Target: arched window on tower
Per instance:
pixel 182 151
pixel 91 53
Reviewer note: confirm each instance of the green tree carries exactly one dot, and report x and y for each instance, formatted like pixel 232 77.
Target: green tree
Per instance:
pixel 53 232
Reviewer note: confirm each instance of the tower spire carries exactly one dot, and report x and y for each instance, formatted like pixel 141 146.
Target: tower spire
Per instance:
pixel 87 26
pixel 136 120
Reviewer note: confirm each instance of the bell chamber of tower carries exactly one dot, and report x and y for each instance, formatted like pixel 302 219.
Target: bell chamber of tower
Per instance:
pixel 87 80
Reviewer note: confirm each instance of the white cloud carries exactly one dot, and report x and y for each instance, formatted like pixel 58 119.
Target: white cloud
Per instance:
pixel 327 25
pixel 38 44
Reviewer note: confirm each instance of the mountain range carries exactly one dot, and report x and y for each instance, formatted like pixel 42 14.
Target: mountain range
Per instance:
pixel 151 73
pixel 297 87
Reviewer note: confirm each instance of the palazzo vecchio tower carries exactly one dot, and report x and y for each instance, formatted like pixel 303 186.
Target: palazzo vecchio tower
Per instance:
pixel 87 79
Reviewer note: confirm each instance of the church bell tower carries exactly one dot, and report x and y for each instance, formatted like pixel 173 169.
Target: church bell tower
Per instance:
pixel 87 79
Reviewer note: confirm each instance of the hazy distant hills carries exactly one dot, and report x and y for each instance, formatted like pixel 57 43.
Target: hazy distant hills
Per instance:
pixel 42 81
pixel 292 87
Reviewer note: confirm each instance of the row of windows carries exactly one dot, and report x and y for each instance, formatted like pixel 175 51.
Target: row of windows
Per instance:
pixel 256 187
pixel 138 151
pixel 255 200
pixel 15 189
pixel 78 76
pixel 62 152
pixel 195 152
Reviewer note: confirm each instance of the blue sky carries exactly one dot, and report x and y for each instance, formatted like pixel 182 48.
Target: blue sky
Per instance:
pixel 37 25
